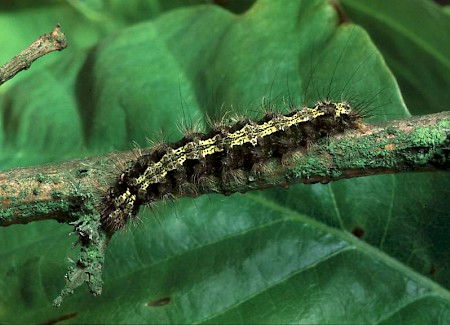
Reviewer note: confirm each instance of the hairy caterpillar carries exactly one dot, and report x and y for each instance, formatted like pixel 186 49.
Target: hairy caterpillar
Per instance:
pixel 171 169
pixel 219 156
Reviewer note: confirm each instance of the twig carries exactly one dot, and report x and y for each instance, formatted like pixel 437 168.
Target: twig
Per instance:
pixel 54 41
pixel 69 192
pixel 415 144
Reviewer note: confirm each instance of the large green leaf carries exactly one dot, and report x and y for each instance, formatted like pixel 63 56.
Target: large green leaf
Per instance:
pixel 371 250
pixel 413 37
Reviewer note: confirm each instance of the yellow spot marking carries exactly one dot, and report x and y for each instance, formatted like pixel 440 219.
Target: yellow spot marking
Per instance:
pixel 155 172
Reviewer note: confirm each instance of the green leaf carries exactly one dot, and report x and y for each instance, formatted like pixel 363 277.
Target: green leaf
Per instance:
pixel 369 250
pixel 413 37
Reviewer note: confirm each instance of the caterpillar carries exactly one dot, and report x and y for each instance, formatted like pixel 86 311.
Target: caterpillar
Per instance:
pixel 172 169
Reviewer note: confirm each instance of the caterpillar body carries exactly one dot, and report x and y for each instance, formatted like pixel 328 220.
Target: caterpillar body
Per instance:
pixel 178 168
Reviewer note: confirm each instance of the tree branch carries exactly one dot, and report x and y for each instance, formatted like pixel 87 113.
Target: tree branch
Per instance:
pixel 69 192
pixel 54 41
pixel 416 144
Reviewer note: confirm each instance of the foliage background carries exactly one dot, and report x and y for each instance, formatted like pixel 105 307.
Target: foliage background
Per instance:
pixel 278 256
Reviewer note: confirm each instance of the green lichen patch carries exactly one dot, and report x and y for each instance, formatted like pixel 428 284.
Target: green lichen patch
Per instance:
pixel 428 136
